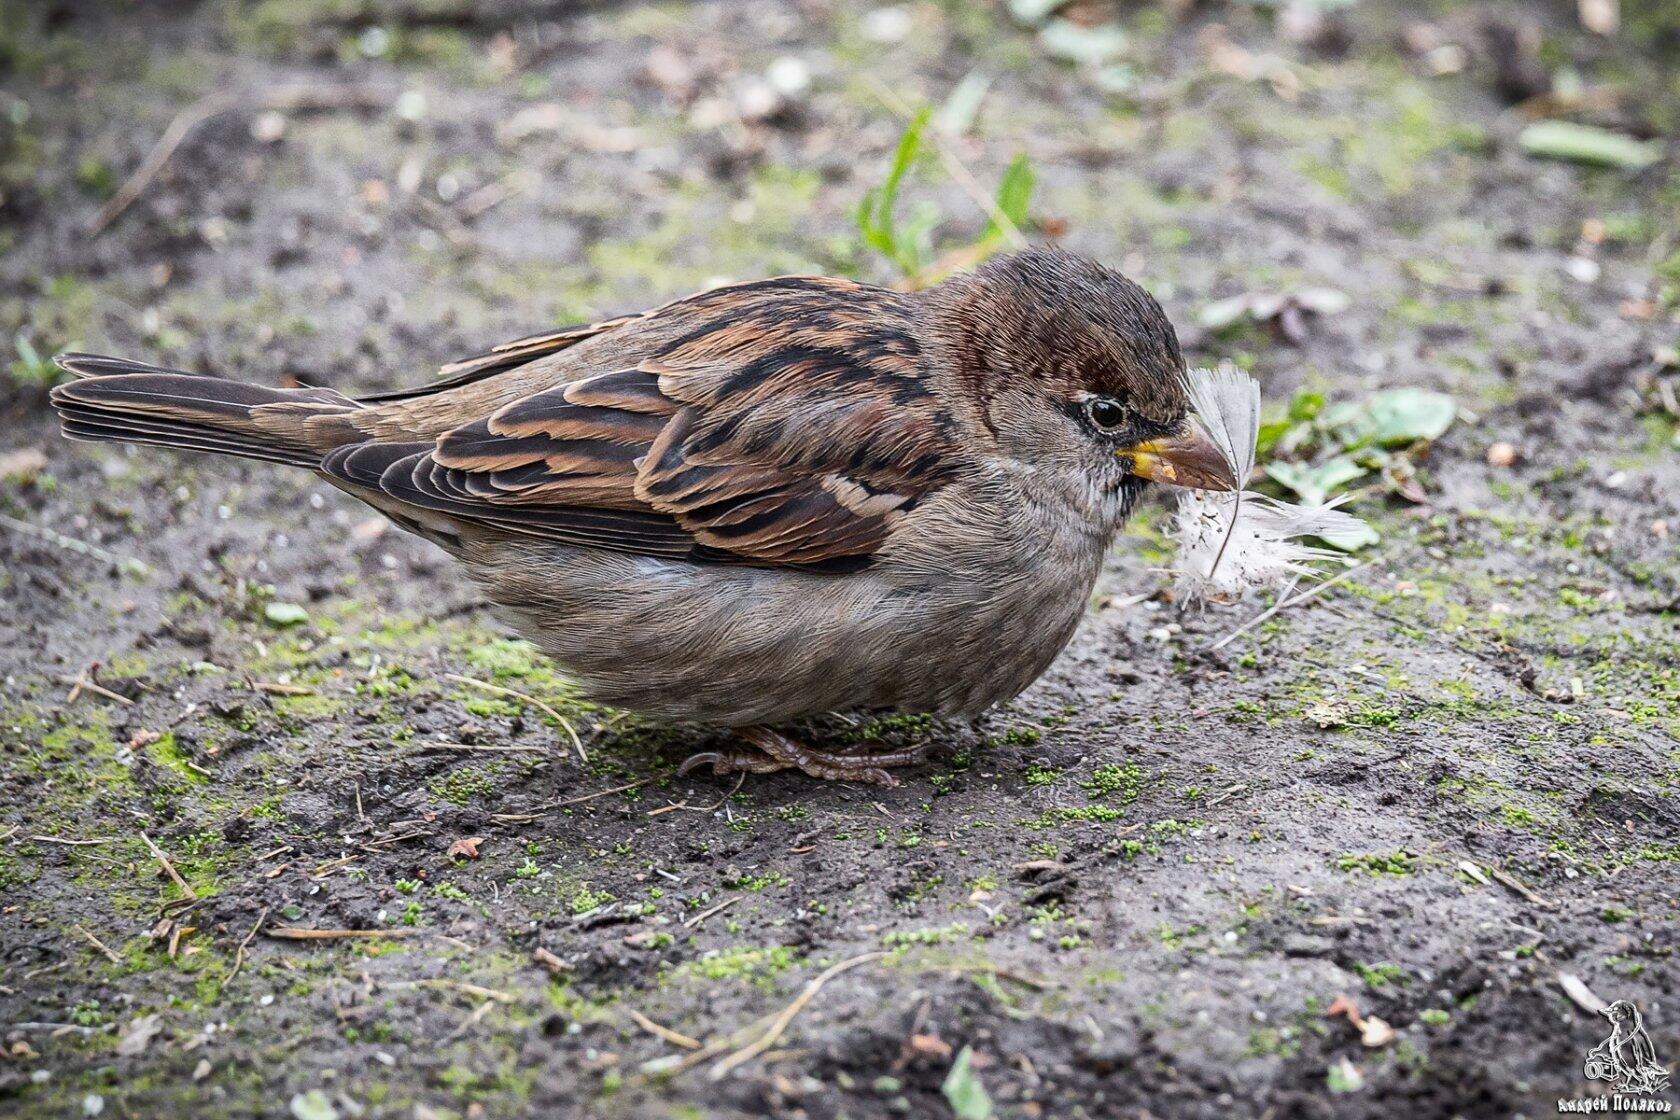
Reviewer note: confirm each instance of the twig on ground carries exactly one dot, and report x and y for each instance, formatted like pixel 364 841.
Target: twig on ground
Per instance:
pixel 676 1063
pixel 53 536
pixel 74 843
pixel 691 923
pixel 496 689
pixel 524 818
pixel 239 954
pixel 443 221
pixel 469 1022
pixel 274 688
pixel 188 119
pixel 158 158
pixel 549 961
pixel 470 748
pixel 780 1024
pixel 292 933
pixel 719 803
pixel 496 995
pixel 84 682
pixel 1227 793
pixel 1519 887
pixel 98 944
pixel 1020 978
pixel 157 854
pixel 322 870
pixel 675 1038
pixel 1285 601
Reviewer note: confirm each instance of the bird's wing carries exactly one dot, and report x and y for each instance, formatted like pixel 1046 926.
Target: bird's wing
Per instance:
pixel 501 358
pixel 780 423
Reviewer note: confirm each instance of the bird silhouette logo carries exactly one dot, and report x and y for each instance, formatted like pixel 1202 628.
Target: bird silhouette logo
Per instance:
pixel 1626 1059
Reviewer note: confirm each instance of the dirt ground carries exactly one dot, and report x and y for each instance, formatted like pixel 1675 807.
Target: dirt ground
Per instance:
pixel 1136 891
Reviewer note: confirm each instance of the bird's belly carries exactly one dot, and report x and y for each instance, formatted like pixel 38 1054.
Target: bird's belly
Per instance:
pixel 737 646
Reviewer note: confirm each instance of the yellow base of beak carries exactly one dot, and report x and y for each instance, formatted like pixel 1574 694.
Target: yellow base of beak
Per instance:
pixel 1188 459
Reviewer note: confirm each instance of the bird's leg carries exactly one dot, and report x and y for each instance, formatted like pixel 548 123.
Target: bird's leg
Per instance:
pixel 771 751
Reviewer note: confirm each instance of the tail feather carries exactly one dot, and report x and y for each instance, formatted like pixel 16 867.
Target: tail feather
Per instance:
pixel 116 399
pixel 95 428
pixel 99 365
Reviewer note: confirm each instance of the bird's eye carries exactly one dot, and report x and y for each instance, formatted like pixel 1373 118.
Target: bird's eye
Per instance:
pixel 1105 412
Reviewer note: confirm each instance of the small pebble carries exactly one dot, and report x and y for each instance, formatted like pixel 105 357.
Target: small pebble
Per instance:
pixel 269 127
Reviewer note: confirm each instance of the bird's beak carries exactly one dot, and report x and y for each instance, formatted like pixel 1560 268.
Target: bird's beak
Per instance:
pixel 1186 459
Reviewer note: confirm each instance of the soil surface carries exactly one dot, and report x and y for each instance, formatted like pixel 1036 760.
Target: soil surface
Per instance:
pixel 1138 890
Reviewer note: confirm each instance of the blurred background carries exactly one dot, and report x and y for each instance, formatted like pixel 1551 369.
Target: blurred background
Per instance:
pixel 1444 236
pixel 354 191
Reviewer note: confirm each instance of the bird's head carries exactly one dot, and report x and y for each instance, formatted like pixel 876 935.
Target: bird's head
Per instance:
pixel 1067 363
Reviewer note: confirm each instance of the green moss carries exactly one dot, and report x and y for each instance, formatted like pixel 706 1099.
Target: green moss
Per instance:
pixel 1124 780
pixel 460 787
pixel 1041 775
pixel 583 900
pixel 1054 818
pixel 756 883
pixel 1379 976
pixel 741 963
pixel 956 931
pixel 1398 862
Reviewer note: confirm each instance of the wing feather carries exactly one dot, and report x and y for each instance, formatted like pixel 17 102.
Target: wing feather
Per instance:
pixel 786 422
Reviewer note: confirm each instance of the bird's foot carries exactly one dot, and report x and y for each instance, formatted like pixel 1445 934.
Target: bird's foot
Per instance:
pixel 771 751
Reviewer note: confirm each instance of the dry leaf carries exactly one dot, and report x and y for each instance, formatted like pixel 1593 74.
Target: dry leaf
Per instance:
pixel 24 463
pixel 1342 1005
pixel 466 849
pixel 139 1034
pixel 930 1045
pixel 1583 996
pixel 1375 1032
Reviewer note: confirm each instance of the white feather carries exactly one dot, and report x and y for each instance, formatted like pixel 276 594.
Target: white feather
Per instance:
pixel 1229 545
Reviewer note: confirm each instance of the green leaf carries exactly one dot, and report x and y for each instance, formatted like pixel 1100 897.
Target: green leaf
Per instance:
pixel 1407 415
pixel 285 614
pixel 1221 313
pixel 1584 143
pixel 1305 405
pixel 1344 1077
pixel 1315 484
pixel 1014 196
pixel 1121 78
pixel 31 368
pixel 1088 46
pixel 313 1105
pixel 957 115
pixel 875 214
pixel 1034 12
pixel 963 1091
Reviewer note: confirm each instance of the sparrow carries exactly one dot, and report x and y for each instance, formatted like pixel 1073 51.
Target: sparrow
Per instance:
pixel 763 502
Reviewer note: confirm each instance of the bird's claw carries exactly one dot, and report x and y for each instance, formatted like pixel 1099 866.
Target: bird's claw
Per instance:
pixel 771 751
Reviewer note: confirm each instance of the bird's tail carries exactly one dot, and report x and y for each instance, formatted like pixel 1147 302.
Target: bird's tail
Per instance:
pixel 133 402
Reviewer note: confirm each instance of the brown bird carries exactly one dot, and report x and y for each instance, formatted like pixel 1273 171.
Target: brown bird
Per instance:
pixel 763 502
